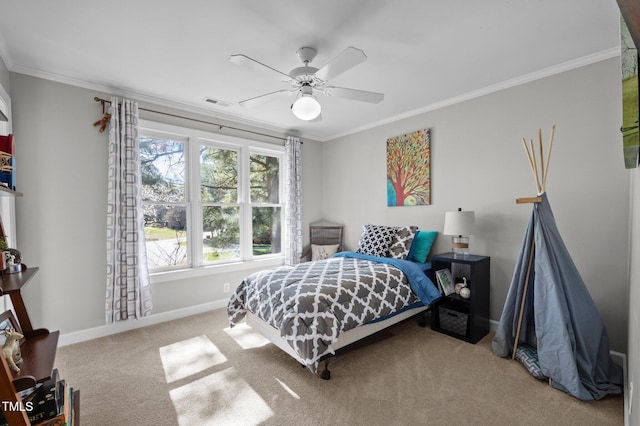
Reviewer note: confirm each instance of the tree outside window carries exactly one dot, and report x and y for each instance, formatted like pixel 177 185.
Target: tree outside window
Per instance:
pixel 237 216
pixel 162 166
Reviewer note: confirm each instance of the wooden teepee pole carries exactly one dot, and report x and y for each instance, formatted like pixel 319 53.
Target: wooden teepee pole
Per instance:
pixel 541 186
pixel 540 178
pixel 530 158
pixel 535 167
pixel 524 298
pixel 546 169
pixel 541 157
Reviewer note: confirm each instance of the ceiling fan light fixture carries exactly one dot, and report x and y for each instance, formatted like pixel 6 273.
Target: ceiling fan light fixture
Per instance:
pixel 306 107
pixel 306 80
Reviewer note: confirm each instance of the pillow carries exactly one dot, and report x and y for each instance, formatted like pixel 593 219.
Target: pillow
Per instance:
pixel 401 242
pixel 421 246
pixel 375 240
pixel 527 355
pixel 319 252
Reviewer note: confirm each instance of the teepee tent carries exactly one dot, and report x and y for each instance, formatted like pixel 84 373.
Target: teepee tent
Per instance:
pixel 549 321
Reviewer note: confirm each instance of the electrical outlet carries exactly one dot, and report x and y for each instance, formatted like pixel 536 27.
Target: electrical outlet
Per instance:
pixel 226 287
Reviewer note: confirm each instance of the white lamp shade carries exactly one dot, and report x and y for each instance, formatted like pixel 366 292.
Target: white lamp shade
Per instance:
pixel 459 223
pixel 306 107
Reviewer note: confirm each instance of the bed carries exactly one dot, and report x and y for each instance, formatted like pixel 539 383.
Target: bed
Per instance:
pixel 312 309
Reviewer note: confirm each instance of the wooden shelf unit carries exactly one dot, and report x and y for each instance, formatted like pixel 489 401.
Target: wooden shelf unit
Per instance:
pixel 38 349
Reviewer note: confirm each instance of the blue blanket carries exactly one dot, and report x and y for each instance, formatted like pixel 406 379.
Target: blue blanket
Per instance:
pixel 421 285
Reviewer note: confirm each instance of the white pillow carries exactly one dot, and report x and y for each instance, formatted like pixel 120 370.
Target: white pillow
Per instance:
pixel 319 252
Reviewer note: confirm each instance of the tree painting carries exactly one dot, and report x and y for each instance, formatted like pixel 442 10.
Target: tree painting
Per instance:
pixel 409 169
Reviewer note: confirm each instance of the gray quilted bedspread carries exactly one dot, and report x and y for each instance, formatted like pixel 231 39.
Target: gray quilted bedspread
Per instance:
pixel 313 302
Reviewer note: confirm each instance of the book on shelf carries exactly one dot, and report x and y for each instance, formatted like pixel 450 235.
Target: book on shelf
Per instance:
pixel 7 169
pixel 445 280
pixel 64 412
pixel 40 402
pixel 47 404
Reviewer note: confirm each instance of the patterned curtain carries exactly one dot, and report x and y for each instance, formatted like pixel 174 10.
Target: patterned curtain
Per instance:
pixel 128 286
pixel 293 201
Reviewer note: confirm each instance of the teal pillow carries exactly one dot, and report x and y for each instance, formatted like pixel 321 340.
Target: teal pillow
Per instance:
pixel 421 246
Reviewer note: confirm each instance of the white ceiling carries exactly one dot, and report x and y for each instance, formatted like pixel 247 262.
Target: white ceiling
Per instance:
pixel 421 54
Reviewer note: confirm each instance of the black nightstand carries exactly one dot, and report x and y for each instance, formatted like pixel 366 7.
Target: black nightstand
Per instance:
pixel 465 319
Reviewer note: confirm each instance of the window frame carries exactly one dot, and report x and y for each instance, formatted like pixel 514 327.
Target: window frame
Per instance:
pixel 193 140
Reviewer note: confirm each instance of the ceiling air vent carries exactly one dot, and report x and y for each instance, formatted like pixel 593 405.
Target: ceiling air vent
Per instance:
pixel 217 102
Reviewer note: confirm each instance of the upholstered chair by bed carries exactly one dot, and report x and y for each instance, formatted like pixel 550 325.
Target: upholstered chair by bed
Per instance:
pixel 324 241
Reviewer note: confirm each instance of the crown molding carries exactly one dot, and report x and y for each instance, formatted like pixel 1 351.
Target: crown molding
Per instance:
pixel 152 99
pixel 526 78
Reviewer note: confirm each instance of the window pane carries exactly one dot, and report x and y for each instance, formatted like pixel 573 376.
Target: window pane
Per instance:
pixel 221 233
pixel 218 175
pixel 265 179
pixel 165 231
pixel 162 165
pixel 266 230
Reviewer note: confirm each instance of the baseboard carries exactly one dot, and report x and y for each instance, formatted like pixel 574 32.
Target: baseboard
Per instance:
pixel 493 325
pixel 119 327
pixel 621 359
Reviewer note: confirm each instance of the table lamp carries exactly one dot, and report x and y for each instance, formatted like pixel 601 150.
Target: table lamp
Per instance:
pixel 460 225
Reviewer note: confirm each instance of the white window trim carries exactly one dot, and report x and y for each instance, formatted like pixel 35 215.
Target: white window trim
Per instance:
pixel 245 147
pixel 222 268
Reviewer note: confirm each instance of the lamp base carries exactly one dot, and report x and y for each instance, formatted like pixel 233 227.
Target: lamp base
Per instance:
pixel 460 246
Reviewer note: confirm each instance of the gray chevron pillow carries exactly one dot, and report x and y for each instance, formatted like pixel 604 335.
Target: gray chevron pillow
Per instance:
pixel 401 242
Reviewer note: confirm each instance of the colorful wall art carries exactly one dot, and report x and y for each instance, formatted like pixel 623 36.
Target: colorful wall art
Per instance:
pixel 409 169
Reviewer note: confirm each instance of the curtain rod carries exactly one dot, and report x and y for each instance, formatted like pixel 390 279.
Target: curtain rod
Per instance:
pixel 221 126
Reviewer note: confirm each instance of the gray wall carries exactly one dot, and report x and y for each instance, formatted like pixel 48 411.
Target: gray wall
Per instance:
pixel 478 163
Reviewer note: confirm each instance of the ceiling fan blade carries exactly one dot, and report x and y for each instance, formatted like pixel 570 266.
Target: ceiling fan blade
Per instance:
pixel 356 95
pixel 347 59
pixel 263 98
pixel 246 61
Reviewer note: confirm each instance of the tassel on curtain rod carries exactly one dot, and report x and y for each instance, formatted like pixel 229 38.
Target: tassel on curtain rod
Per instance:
pixel 105 119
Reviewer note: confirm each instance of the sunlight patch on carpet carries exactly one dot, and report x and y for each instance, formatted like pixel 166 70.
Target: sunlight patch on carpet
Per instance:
pixel 188 357
pixel 222 398
pixel 246 337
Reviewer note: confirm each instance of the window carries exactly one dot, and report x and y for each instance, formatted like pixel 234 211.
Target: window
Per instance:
pixel 266 211
pixel 163 169
pixel 208 199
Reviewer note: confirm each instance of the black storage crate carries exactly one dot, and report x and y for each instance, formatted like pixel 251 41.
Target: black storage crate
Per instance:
pixel 454 317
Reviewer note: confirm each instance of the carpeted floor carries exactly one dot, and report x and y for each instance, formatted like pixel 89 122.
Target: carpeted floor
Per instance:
pixel 195 371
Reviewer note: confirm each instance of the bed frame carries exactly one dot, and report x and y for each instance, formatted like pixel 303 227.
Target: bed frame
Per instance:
pixel 345 339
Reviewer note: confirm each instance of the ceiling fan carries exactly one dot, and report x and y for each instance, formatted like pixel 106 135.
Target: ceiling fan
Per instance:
pixel 306 80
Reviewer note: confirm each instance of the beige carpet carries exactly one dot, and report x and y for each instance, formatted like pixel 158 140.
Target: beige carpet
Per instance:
pixel 195 371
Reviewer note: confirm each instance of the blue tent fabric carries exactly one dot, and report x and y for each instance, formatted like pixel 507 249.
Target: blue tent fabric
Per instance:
pixel 560 317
